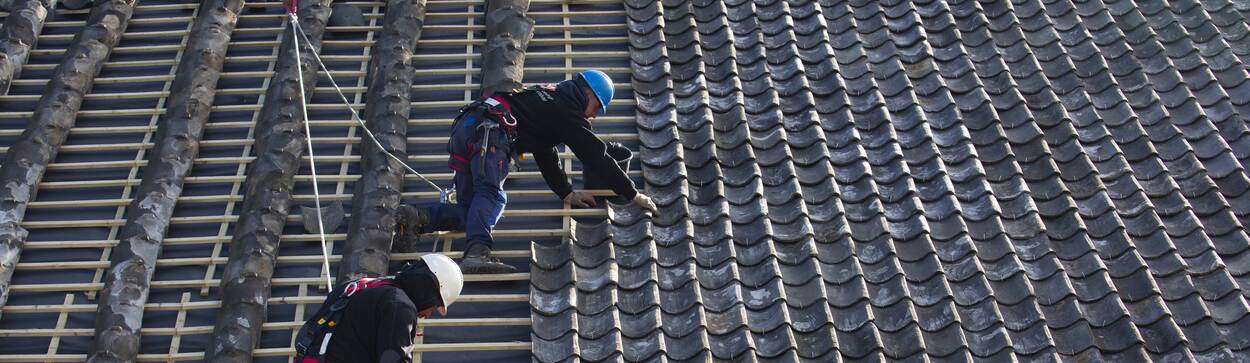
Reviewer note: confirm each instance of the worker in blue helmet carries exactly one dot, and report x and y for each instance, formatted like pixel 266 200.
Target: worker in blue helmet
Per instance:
pixel 494 131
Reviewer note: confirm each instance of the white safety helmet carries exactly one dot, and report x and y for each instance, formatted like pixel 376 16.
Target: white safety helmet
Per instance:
pixel 450 279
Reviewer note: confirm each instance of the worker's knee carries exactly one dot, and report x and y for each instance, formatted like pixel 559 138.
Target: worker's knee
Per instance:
pixel 492 193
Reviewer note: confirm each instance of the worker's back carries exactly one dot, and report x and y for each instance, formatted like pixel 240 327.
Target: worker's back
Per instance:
pixel 542 111
pixel 378 325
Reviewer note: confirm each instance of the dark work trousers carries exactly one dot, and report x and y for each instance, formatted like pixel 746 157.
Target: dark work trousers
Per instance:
pixel 480 174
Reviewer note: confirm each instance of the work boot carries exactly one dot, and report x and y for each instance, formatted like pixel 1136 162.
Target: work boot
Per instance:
pixel 477 260
pixel 409 221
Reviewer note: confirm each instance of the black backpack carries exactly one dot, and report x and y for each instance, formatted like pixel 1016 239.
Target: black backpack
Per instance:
pixel 314 337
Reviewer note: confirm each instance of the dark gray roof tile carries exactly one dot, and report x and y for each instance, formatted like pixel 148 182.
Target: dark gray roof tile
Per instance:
pixel 644 348
pixel 861 344
pixel 806 293
pixel 1073 339
pixel 591 245
pixel 554 279
pixel 597 326
pixel 592 281
pixel 554 327
pixel 1120 337
pixel 947 344
pixel 760 271
pixel 1052 230
pixel 554 302
pixel 1054 293
pixel 686 347
pixel 550 257
pixel 555 350
pixel 767 319
pixel 641 323
pixel 721 298
pixel 776 345
pixel 673 234
pixel 818 345
pixel 734 344
pixel 639 277
pixel 632 243
pixel 603 349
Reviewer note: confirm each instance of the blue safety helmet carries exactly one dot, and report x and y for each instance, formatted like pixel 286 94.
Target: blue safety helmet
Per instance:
pixel 601 85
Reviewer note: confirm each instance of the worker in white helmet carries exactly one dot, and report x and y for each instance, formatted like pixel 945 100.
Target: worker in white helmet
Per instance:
pixel 375 319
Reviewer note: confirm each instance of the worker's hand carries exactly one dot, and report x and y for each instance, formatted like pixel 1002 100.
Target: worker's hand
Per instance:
pixel 580 199
pixel 642 200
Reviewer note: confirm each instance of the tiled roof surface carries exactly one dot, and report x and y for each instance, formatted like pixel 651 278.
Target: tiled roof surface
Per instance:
pixel 946 180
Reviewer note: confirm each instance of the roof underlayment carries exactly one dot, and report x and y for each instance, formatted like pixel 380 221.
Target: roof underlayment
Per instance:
pixel 838 180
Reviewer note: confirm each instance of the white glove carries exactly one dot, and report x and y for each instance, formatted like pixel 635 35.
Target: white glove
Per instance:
pixel 580 199
pixel 642 200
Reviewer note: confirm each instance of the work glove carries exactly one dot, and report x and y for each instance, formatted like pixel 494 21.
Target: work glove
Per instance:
pixel 580 199
pixel 642 200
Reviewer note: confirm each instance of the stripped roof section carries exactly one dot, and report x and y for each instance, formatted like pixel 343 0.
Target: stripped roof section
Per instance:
pixel 78 214
pixel 951 180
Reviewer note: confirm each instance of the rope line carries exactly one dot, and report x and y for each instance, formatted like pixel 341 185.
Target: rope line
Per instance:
pixel 443 193
pixel 312 159
pixel 299 34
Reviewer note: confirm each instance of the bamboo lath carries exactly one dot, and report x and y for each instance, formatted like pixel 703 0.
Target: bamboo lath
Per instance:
pixel 81 204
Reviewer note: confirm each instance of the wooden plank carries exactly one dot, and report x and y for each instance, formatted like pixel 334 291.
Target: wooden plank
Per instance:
pixel 204 305
pixel 180 322
pixel 269 352
pixel 205 261
pixel 186 284
pixel 234 75
pixel 313 123
pixel 180 329
pixel 290 218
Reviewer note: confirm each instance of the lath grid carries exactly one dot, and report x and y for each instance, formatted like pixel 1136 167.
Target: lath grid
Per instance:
pixel 182 306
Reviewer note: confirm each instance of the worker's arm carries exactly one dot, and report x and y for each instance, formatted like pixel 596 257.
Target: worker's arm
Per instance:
pixel 397 324
pixel 594 156
pixel 549 165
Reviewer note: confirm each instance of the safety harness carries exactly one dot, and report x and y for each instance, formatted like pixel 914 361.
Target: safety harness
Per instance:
pixel 490 114
pixel 314 337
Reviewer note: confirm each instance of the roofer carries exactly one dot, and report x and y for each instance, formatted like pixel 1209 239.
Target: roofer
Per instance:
pixel 375 319
pixel 493 131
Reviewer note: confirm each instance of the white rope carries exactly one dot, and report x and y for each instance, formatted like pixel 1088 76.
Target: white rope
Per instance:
pixel 312 159
pixel 298 32
pixel 443 194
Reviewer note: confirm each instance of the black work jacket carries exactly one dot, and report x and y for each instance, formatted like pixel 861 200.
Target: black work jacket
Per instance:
pixel 550 116
pixel 378 325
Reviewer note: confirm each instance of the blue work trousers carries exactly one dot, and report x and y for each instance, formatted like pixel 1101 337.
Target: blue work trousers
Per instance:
pixel 480 196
